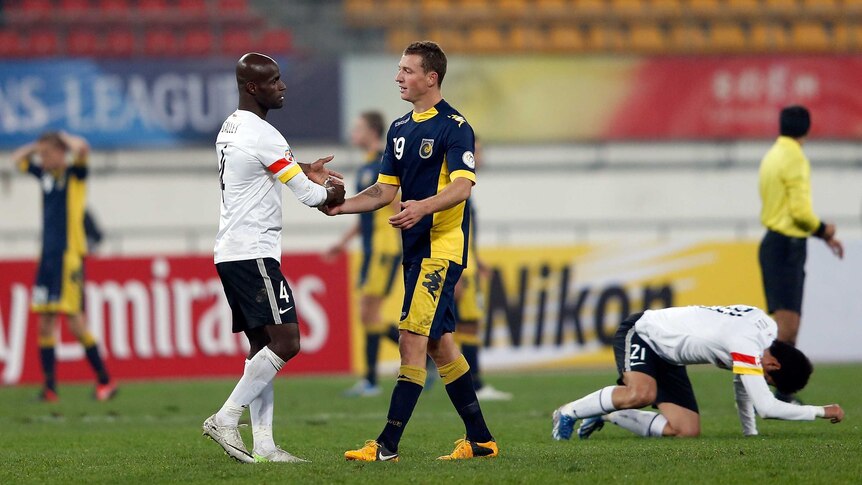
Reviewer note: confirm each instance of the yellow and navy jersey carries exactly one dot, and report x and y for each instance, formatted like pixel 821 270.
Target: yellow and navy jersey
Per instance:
pixel 378 236
pixel 785 190
pixel 424 153
pixel 64 195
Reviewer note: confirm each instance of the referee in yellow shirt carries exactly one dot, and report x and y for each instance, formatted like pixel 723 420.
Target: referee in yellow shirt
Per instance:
pixel 785 191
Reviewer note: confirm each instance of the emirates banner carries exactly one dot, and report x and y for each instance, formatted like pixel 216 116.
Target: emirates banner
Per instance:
pixel 166 317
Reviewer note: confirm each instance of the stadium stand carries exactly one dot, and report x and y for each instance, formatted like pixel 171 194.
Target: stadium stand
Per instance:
pixel 136 28
pixel 608 26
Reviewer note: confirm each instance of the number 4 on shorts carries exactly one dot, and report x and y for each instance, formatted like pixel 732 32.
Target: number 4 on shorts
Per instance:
pixel 283 293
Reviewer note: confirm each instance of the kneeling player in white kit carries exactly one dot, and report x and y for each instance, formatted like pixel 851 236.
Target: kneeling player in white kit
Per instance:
pixel 652 349
pixel 254 162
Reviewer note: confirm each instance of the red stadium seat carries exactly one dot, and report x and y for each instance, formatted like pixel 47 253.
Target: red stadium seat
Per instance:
pixel 74 8
pixel 232 7
pixel 278 41
pixel 11 44
pixel 115 9
pixel 198 42
pixel 160 42
pixel 43 43
pixel 192 9
pixel 82 43
pixel 153 9
pixel 37 9
pixel 237 42
pixel 119 43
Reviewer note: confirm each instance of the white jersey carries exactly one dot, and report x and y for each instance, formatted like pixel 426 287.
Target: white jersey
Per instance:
pixel 254 162
pixel 729 337
pixel 732 337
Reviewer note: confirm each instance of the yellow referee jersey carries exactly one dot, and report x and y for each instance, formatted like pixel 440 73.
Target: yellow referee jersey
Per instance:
pixel 785 190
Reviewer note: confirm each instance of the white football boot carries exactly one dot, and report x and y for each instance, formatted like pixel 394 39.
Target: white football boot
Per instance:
pixel 277 456
pixel 228 438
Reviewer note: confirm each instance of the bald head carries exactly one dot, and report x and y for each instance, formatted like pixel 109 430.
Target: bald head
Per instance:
pixel 254 67
pixel 259 83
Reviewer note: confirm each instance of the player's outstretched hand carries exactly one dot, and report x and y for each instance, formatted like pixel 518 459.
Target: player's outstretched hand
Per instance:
pixel 833 412
pixel 334 191
pixel 412 211
pixel 317 171
pixel 836 247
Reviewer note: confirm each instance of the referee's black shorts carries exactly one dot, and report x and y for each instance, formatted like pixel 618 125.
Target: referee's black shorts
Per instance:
pixel 782 264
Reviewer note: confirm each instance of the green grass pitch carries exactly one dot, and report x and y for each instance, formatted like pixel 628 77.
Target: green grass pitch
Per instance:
pixel 151 433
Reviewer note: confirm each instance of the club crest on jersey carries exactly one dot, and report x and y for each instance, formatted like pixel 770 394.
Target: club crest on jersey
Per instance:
pixel 426 148
pixel 288 155
pixel 459 119
pixel 469 160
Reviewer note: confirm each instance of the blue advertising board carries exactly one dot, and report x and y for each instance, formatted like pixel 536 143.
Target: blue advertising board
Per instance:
pixel 141 104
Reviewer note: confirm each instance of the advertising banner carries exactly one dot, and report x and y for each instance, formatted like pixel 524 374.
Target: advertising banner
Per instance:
pixel 167 317
pixel 541 99
pixel 150 104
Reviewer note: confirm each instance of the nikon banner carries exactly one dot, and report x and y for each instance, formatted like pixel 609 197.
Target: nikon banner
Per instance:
pixel 549 307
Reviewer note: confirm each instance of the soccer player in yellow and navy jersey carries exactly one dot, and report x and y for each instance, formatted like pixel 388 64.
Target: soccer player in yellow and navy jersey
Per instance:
pixel 60 279
pixel 381 252
pixel 468 307
pixel 429 155
pixel 787 214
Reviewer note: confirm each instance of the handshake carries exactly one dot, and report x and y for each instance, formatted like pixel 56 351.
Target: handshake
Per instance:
pixel 334 193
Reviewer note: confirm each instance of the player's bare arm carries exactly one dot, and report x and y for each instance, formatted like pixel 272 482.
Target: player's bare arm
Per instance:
pixel 77 145
pixel 412 211
pixel 374 197
pixel 23 152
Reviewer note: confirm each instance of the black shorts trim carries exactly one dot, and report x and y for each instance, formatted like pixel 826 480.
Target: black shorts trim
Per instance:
pixel 257 292
pixel 633 354
pixel 782 265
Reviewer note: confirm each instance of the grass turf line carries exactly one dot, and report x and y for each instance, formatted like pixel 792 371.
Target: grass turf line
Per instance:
pixel 151 432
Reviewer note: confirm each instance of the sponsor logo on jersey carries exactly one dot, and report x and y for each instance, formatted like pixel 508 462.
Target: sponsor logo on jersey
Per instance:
pixel 459 119
pixel 426 148
pixel 400 122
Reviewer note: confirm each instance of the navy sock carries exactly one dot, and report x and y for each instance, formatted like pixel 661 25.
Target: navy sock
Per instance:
pixel 471 355
pixel 48 357
pixel 372 347
pixel 404 399
pixel 97 364
pixel 463 397
pixel 393 333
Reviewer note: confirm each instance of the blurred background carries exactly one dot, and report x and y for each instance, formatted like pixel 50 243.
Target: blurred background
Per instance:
pixel 621 145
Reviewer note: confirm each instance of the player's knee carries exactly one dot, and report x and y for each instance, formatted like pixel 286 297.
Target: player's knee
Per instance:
pixel 286 349
pixel 685 431
pixel 640 396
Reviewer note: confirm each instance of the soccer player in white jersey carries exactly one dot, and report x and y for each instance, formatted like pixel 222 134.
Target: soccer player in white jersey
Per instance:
pixel 254 161
pixel 652 349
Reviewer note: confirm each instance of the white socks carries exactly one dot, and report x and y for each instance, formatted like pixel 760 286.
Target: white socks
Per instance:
pixel 643 423
pixel 595 404
pixel 259 373
pixel 261 419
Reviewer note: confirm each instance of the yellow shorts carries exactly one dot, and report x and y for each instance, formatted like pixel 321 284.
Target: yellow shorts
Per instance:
pixel 377 273
pixel 59 284
pixel 467 307
pixel 429 297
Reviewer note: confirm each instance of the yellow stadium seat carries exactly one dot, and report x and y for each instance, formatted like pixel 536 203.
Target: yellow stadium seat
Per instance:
pixel 511 8
pixel 726 37
pixel 565 38
pixel 436 7
pixel 474 8
pixel 810 37
pixel 398 39
pixel 360 11
pixel 747 7
pixel 449 39
pixel 605 38
pixel 820 6
pixel 526 39
pixel 485 38
pixel 553 7
pixel 627 7
pixel 396 9
pixel 785 7
pixel 647 38
pixel 687 38
pixel 669 8
pixel 589 7
pixel 852 6
pixel 767 37
pixel 704 7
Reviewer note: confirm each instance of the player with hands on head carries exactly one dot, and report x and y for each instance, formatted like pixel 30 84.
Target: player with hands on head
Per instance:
pixel 254 161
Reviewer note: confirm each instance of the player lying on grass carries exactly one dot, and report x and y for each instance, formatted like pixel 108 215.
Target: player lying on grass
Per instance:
pixel 652 349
